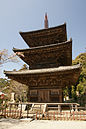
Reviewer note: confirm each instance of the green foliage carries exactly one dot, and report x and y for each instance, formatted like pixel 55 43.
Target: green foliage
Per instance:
pixel 4 87
pixel 65 92
pixel 81 86
pixel 78 91
pixel 9 86
pixel 73 92
pixel 4 83
pixel 24 67
pixel 3 101
pixel 81 59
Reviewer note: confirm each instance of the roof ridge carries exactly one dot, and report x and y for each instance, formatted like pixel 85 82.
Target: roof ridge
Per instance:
pixel 34 31
pixel 45 46
pixel 45 70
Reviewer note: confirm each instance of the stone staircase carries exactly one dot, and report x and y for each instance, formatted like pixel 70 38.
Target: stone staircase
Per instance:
pixel 37 109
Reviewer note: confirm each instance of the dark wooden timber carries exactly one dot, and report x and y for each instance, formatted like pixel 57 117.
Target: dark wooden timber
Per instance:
pixel 47 82
pixel 45 36
pixel 62 55
pixel 50 64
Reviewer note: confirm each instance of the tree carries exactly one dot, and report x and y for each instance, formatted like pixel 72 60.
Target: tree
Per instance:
pixel 24 67
pixel 77 92
pixel 4 86
pixel 9 86
pixel 4 83
pixel 5 57
pixel 16 87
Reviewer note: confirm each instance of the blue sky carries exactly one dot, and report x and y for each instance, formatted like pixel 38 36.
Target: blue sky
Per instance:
pixel 28 15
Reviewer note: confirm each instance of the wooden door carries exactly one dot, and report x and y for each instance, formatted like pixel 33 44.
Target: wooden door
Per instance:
pixel 43 96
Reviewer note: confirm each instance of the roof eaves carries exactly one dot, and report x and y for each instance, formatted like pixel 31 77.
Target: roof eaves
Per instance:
pixel 45 46
pixel 48 70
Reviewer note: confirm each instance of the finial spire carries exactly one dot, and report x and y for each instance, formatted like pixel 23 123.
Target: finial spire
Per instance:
pixel 46 21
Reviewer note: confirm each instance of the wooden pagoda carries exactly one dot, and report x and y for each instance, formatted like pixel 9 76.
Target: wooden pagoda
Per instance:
pixel 49 57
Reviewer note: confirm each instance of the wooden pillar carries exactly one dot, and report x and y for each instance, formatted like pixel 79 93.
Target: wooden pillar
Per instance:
pixel 10 107
pixel 21 111
pixel 72 108
pixel 28 94
pixel 27 110
pixel 76 108
pixel 60 96
pixel 59 108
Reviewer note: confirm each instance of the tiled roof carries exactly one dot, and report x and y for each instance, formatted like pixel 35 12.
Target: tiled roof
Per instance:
pixel 44 47
pixel 48 70
pixel 45 36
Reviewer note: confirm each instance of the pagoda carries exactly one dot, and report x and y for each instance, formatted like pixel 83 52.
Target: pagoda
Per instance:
pixel 49 57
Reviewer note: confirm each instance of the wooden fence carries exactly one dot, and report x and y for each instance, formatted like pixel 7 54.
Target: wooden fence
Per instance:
pixel 17 114
pixel 65 116
pixel 17 111
pixel 10 114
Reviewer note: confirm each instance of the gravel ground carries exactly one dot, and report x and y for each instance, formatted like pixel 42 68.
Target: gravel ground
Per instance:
pixel 41 124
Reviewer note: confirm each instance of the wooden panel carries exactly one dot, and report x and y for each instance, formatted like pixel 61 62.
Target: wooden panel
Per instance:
pixel 45 36
pixel 43 96
pixel 49 80
pixel 49 57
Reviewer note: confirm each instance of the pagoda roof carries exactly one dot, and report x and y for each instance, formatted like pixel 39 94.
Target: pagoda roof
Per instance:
pixel 47 78
pixel 32 56
pixel 46 54
pixel 45 36
pixel 40 71
pixel 39 48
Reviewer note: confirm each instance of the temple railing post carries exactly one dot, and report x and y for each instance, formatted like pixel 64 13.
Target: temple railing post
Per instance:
pixel 60 96
pixel 59 108
pixel 28 93
pixel 76 108
pixel 72 108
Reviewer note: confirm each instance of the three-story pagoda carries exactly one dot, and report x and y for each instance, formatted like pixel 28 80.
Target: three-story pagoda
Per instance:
pixel 49 57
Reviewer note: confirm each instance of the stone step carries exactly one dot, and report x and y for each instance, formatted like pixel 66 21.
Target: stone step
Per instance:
pixel 38 108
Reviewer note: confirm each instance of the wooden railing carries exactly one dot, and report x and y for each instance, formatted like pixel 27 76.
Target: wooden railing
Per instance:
pixel 65 116
pixel 51 111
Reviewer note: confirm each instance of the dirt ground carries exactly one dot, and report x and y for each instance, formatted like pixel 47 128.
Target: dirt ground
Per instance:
pixel 41 124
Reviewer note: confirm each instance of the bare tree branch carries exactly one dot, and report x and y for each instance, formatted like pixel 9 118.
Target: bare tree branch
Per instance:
pixel 5 57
